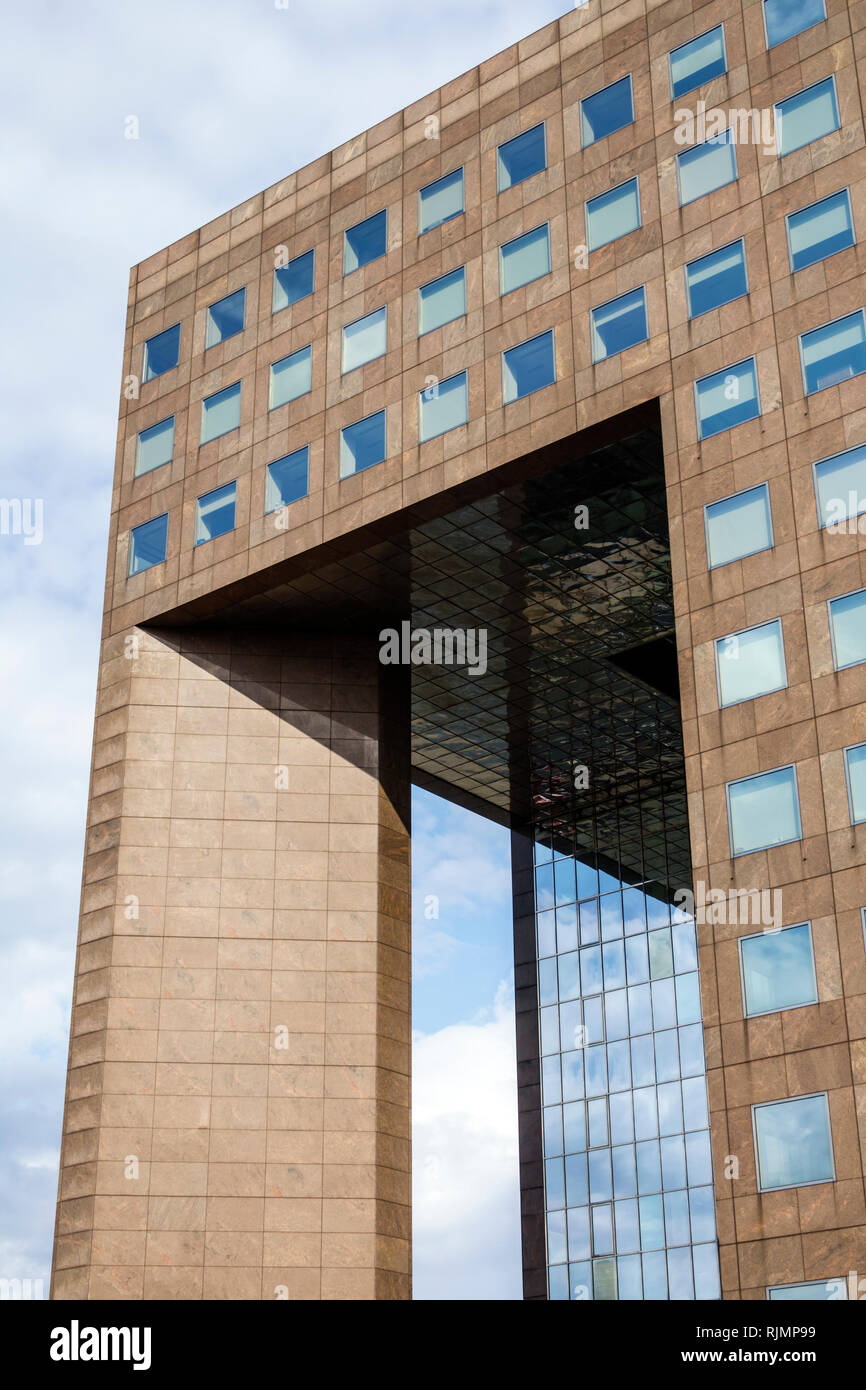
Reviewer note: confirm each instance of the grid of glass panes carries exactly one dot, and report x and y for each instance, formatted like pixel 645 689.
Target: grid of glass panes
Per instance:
pixel 628 1171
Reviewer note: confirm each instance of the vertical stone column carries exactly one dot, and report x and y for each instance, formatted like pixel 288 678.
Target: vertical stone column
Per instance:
pixel 237 1113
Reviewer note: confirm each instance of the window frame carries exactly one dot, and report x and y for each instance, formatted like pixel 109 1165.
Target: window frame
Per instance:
pixel 343 477
pixel 830 601
pixel 593 331
pixel 543 124
pixel 202 443
pixel 850 748
pixel 242 289
pixel 713 140
pixel 205 540
pixel 778 122
pixel 381 309
pixel 784 1100
pixel 764 1013
pixel 728 498
pixel 769 46
pixel 464 372
pixel 818 326
pixel 311 251
pixel 770 1289
pixel 702 438
pixel 768 622
pixel 461 169
pixel 849 516
pixel 510 242
pixel 130 551
pixel 545 333
pixel 308 347
pixel 635 179
pixel 737 241
pixel 383 212
pixel 817 203
pixel 144 377
pixel 422 332
pixel 269 511
pixel 777 844
pixel 694 39
pixel 142 473
pixel 627 76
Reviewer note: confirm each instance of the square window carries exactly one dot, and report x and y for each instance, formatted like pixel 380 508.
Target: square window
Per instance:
pixel 364 340
pixel 727 398
pixel 806 116
pixel 855 770
pixel 520 158
pixel 833 353
pixel 215 513
pixel 443 407
pixel 528 367
pixel 826 1290
pixel 290 378
pixel 840 486
pixel 606 111
pixel 147 544
pixel 785 18
pixel 293 281
pixel 155 447
pixel 362 444
pixel 612 214
pixel 441 301
pixel 225 318
pixel 162 352
pixel 848 629
pixel 440 201
pixel 525 258
pixel 704 168
pixel 619 324
pixel 716 279
pixel 697 61
pixel 778 970
pixel 365 242
pixel 820 230
pixel 286 480
pixel 763 811
pixel 793 1146
pixel 750 663
pixel 220 413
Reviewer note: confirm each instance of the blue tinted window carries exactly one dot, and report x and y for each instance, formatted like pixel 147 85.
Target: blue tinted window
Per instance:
pixel 524 259
pixel 528 367
pixel 147 544
pixel 362 444
pixel 778 970
pixel 848 629
pixel 225 318
pixel 606 111
pixel 286 479
pixel 727 398
pixel 763 811
pixel 704 168
pixel 440 201
pixel 612 214
pixel 291 377
pixel 785 18
pixel 697 61
pixel 155 446
pixel 293 281
pixel 221 413
pixel 840 486
pixel 855 767
pixel 619 324
pixel 806 116
pixel 820 230
pixel 365 242
pixel 750 663
pixel 441 301
pixel 833 353
pixel 716 279
pixel 793 1143
pixel 824 1290
pixel 443 406
pixel 520 158
pixel 161 352
pixel 364 340
pixel 215 513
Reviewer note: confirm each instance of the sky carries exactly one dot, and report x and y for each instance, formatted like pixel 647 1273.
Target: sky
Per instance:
pixel 228 97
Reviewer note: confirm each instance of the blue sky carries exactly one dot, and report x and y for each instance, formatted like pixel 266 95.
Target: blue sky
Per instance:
pixel 229 97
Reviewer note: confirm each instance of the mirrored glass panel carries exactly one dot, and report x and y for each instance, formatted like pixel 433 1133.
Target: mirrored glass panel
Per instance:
pixel 619 324
pixel 442 300
pixel 286 480
pixel 738 526
pixel 362 445
pixel 763 811
pixel 606 111
pixel 221 413
pixel 443 407
pixel 364 340
pixel 750 663
pixel 778 970
pixel 785 18
pixel 824 1290
pixel 440 201
pixel 792 1142
pixel 161 353
pixel 855 769
pixel 612 214
pixel 840 486
pixel 833 353
pixel 727 398
pixel 524 259
pixel 697 61
pixel 293 281
pixel 706 167
pixel 290 378
pixel 848 629
pixel 365 242
pixel 820 230
pixel 215 513
pixel 528 367
pixel 225 318
pixel 147 544
pixel 520 158
pixel 716 279
pixel 155 446
pixel 806 116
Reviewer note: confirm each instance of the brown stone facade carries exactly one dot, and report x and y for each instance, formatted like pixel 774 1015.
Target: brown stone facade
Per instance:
pixel 219 907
